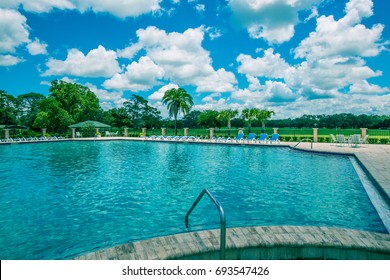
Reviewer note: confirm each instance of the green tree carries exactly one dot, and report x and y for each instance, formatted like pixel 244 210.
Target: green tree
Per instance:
pixel 177 101
pixel 140 113
pixel 250 114
pixel 52 116
pixel 227 116
pixel 209 118
pixel 77 100
pixel 8 108
pixel 191 119
pixel 117 117
pixel 262 116
pixel 28 107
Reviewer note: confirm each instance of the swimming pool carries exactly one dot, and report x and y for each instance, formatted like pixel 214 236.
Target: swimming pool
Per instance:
pixel 59 200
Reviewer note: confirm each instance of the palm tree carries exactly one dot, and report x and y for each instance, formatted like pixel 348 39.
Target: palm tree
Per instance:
pixel 227 115
pixel 262 116
pixel 177 101
pixel 250 115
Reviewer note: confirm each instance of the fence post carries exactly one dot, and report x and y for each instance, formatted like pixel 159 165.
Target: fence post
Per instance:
pixel 315 134
pixel 6 133
pixel 126 131
pixel 185 131
pixel 275 130
pixel 364 132
pixel 211 133
pixel 163 131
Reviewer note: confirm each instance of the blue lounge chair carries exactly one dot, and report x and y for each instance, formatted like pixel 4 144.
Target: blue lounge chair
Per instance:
pixel 251 137
pixel 274 138
pixel 263 138
pixel 240 137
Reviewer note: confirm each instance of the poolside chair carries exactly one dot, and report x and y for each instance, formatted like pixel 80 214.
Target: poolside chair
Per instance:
pixel 193 138
pixel 334 141
pixel 263 138
pixel 341 140
pixel 107 133
pixel 221 139
pixel 364 139
pixel 78 134
pixel 274 138
pixel 251 137
pixel 240 137
pixel 354 140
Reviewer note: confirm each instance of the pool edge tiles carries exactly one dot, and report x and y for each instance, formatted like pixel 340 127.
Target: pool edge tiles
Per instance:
pixel 267 243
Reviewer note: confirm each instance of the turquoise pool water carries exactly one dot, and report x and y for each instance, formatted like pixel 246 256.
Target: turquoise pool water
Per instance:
pixel 59 200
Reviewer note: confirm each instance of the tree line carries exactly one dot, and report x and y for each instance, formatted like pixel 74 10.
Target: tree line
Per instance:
pixel 70 103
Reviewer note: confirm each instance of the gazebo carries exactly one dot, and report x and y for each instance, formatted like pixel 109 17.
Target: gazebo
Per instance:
pixel 88 125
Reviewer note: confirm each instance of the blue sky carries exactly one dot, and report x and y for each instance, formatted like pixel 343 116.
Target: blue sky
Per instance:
pixel 294 57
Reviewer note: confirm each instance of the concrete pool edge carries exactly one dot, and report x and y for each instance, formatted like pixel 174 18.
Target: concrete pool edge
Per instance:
pixel 260 242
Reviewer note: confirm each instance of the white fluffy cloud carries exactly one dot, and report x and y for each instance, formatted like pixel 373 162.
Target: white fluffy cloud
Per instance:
pixel 138 76
pixel 363 87
pixel 333 60
pixel 38 6
pixel 9 60
pixel 119 8
pixel 343 37
pixel 108 99
pixel 36 47
pixel 159 94
pixel 273 20
pixel 97 63
pixel 270 65
pixel 181 55
pixel 13 30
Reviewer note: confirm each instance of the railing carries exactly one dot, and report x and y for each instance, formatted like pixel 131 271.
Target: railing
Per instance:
pixel 222 253
pixel 302 140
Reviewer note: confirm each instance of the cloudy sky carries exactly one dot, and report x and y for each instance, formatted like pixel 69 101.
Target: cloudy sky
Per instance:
pixel 292 56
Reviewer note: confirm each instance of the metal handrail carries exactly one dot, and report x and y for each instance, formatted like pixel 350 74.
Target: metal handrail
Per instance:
pixel 222 218
pixel 305 139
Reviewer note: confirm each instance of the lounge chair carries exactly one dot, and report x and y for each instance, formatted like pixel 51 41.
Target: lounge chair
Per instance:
pixel 354 140
pixel 108 134
pixel 78 134
pixel 274 138
pixel 364 140
pixel 240 137
pixel 334 141
pixel 251 137
pixel 341 140
pixel 221 139
pixel 263 138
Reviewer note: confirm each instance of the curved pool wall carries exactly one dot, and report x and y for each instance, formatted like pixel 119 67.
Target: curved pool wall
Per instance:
pixel 54 216
pixel 256 243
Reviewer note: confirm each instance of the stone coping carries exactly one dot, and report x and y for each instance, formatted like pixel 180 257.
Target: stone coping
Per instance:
pixel 268 242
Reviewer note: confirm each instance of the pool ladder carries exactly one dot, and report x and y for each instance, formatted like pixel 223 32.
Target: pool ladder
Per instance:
pixel 222 254
pixel 304 139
